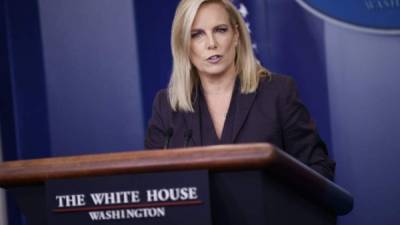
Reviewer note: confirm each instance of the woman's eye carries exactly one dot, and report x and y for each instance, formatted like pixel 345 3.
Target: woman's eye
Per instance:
pixel 222 29
pixel 196 34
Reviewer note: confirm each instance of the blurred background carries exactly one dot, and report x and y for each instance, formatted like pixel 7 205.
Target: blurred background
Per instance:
pixel 79 77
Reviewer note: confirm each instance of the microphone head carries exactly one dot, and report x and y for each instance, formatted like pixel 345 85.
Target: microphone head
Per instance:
pixel 167 136
pixel 169 132
pixel 188 133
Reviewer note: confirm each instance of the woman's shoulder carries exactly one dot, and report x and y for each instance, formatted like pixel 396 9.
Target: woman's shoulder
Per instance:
pixel 161 100
pixel 162 95
pixel 275 82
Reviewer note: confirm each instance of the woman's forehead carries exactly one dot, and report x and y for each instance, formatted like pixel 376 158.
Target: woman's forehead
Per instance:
pixel 210 14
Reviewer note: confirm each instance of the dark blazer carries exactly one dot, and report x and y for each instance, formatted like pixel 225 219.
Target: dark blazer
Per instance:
pixel 273 114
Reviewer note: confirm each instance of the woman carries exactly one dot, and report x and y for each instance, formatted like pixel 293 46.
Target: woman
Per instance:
pixel 219 94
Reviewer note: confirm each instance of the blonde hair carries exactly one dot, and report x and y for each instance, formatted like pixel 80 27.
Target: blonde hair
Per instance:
pixel 184 78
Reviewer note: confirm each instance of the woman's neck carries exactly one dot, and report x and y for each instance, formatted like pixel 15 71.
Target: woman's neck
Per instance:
pixel 217 85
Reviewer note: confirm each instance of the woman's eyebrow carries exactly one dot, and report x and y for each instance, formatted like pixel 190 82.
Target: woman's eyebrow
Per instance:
pixel 222 24
pixel 200 29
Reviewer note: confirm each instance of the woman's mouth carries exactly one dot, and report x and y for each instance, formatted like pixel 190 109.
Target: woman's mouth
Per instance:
pixel 214 59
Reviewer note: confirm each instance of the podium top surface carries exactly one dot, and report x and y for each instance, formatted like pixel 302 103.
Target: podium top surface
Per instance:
pixel 263 156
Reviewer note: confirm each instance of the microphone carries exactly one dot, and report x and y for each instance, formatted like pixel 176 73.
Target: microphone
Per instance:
pixel 187 136
pixel 167 137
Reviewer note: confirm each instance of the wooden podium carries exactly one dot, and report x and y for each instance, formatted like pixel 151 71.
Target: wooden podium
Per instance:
pixel 249 183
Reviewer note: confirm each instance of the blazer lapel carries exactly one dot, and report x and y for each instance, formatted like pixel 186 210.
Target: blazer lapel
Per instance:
pixel 243 106
pixel 193 123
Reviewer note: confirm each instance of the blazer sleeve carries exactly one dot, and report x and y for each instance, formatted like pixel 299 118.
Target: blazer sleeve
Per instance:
pixel 300 135
pixel 155 134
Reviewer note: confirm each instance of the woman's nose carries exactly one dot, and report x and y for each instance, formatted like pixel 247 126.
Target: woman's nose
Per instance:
pixel 212 44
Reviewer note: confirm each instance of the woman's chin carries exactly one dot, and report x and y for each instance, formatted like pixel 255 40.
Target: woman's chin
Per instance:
pixel 216 71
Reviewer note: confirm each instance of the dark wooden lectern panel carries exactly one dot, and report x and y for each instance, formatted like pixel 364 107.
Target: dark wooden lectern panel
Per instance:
pixel 249 184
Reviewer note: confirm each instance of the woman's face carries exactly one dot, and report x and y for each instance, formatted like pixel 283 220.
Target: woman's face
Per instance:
pixel 213 42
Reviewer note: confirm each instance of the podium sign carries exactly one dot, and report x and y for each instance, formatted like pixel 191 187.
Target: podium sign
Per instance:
pixel 148 199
